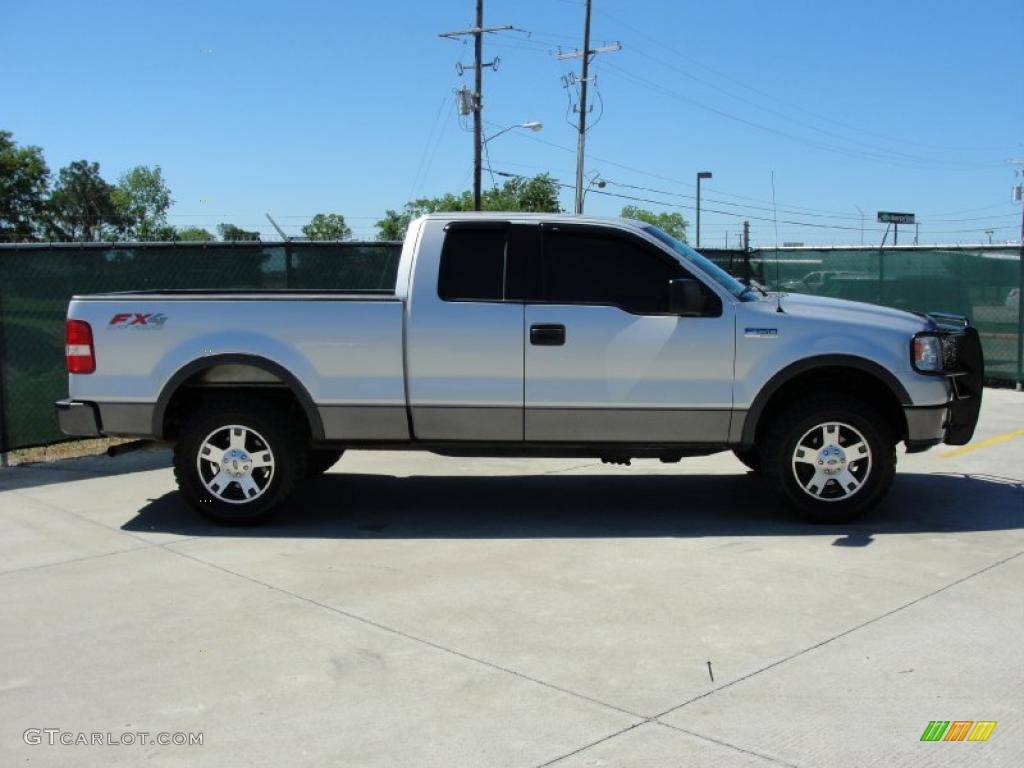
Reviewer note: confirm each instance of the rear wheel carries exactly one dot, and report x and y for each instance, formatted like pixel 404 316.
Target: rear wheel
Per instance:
pixel 831 459
pixel 235 463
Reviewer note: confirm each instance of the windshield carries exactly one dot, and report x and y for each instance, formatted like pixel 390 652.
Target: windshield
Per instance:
pixel 705 265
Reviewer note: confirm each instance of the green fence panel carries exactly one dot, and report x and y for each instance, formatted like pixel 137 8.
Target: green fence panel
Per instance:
pixel 36 282
pixel 982 283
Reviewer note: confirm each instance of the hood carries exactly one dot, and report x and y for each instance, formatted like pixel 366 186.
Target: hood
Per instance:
pixel 855 312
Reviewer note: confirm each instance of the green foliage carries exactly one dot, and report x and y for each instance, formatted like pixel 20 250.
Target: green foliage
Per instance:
pixel 393 225
pixel 81 207
pixel 229 232
pixel 672 223
pixel 327 226
pixel 538 194
pixel 194 234
pixel 142 200
pixel 24 178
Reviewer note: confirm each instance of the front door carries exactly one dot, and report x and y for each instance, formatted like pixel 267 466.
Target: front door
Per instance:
pixel 606 361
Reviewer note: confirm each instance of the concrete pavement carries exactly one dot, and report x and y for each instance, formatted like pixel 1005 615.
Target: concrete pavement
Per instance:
pixel 423 611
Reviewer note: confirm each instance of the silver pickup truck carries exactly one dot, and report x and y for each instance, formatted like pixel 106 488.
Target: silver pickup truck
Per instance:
pixel 523 335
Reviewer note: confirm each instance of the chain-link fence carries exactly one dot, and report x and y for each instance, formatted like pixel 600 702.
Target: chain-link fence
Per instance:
pixel 36 282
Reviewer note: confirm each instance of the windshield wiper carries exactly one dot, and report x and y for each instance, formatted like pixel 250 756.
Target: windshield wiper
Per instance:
pixel 750 286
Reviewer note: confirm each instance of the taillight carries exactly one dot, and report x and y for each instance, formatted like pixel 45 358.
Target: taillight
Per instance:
pixel 78 350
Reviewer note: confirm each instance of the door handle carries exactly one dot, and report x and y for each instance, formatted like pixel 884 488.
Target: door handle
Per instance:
pixel 547 335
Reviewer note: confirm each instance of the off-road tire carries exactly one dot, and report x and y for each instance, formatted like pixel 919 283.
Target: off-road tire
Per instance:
pixel 272 430
pixel 797 424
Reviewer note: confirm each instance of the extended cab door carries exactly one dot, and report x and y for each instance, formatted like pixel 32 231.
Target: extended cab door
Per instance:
pixel 465 335
pixel 607 362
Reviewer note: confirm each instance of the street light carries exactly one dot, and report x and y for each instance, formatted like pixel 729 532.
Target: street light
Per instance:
pixel 700 175
pixel 532 125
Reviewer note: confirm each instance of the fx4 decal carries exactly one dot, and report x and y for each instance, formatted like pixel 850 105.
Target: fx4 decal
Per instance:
pixel 138 320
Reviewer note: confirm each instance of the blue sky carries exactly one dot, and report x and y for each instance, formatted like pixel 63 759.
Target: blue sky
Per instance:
pixel 347 107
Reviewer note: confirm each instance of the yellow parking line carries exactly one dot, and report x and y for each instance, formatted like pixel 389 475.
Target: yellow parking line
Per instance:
pixel 983 444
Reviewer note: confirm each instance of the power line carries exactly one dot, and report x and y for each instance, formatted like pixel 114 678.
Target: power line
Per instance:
pixel 849 152
pixel 790 104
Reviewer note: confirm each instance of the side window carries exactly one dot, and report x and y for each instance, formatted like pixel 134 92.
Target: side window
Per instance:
pixel 593 267
pixel 473 264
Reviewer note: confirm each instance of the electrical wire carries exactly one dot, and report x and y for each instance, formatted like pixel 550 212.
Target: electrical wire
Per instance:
pixel 824 146
pixel 790 104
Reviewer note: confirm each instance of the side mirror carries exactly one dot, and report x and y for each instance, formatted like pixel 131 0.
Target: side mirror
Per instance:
pixel 685 297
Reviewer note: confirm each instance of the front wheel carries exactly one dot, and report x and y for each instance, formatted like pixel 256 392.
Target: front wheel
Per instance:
pixel 832 460
pixel 236 462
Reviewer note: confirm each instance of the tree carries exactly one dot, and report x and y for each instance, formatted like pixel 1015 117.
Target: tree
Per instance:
pixel 24 178
pixel 229 232
pixel 538 194
pixel 194 234
pixel 142 200
pixel 81 206
pixel 672 223
pixel 327 226
pixel 393 225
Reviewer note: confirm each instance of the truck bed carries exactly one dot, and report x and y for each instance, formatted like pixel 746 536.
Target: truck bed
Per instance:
pixel 345 347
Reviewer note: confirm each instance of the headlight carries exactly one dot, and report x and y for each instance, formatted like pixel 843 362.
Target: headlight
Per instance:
pixel 927 353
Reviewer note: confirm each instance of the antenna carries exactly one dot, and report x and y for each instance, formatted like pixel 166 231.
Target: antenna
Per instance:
pixel 778 281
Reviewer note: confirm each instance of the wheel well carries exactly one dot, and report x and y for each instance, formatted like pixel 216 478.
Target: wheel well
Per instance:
pixel 843 380
pixel 227 382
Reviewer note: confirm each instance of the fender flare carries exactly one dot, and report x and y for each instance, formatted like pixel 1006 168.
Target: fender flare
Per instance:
pixel 791 371
pixel 189 370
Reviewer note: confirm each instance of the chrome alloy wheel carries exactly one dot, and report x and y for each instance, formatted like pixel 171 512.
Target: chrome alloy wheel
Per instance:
pixel 832 461
pixel 235 464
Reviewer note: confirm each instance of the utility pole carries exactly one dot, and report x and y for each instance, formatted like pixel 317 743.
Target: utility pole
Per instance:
pixel 478 86
pixel 584 55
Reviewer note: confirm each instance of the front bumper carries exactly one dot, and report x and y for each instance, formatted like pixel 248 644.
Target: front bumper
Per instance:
pixel 77 418
pixel 952 423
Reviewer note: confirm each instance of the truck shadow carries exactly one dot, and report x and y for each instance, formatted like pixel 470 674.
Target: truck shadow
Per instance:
pixel 362 506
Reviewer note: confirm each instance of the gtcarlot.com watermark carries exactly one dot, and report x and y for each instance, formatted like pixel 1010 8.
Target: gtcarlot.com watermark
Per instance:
pixel 56 736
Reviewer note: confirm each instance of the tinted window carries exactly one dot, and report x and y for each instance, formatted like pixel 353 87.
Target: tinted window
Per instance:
pixel 472 264
pixel 593 267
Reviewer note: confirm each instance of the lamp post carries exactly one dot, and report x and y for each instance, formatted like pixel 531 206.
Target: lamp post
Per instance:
pixel 700 175
pixel 532 125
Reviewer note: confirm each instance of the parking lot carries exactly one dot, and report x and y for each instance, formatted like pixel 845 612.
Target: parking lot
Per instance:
pixel 412 610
